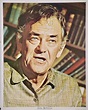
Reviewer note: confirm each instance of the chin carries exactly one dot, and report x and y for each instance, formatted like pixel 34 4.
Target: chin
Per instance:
pixel 40 70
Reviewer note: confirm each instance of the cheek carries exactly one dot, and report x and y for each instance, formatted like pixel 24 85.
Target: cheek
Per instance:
pixel 28 49
pixel 54 52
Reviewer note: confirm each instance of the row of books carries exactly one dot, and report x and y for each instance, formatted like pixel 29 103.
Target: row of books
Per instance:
pixel 76 29
pixel 11 13
pixel 73 65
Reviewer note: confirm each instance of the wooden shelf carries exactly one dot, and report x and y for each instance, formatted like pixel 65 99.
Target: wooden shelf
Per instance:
pixel 76 49
pixel 10 25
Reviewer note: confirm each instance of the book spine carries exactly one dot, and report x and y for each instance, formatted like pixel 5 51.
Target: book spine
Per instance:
pixel 81 40
pixel 70 64
pixel 64 61
pixel 74 28
pixel 8 47
pixel 6 7
pixel 14 7
pixel 80 73
pixel 83 45
pixel 9 39
pixel 79 30
pixel 75 66
pixel 69 23
pixel 76 71
pixel 81 77
pixel 5 31
pixel 17 13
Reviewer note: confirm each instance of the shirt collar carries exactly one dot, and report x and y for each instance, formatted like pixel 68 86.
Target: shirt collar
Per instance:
pixel 17 75
pixel 51 77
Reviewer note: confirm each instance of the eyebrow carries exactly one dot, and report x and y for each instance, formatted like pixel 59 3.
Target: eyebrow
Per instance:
pixel 53 36
pixel 37 34
pixel 34 33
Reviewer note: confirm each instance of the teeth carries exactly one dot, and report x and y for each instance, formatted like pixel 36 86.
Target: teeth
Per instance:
pixel 38 58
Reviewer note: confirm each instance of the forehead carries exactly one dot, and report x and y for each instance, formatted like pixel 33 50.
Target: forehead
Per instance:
pixel 50 26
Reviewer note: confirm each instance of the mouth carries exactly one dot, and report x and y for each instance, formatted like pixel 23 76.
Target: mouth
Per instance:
pixel 40 59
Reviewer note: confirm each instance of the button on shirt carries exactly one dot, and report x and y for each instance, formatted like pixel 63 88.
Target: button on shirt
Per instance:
pixel 60 90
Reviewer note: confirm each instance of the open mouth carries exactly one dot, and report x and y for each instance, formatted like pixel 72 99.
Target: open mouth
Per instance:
pixel 40 58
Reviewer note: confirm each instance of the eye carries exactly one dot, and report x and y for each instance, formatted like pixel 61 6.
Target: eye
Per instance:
pixel 34 39
pixel 52 41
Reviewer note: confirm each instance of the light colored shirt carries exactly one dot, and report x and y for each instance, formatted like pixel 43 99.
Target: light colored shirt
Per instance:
pixel 60 90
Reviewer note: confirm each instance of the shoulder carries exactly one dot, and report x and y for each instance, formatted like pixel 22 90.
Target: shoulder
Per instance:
pixel 64 79
pixel 7 68
pixel 68 84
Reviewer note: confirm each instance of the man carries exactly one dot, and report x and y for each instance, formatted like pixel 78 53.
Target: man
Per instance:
pixel 31 81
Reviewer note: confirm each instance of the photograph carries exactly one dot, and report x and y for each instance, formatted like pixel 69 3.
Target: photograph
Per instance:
pixel 44 55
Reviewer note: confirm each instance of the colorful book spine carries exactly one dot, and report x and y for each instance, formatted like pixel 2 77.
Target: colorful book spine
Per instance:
pixel 5 31
pixel 79 31
pixel 82 37
pixel 74 28
pixel 77 71
pixel 8 47
pixel 11 19
pixel 81 76
pixel 9 39
pixel 69 23
pixel 14 7
pixel 6 7
pixel 17 13
pixel 80 73
pixel 72 61
pixel 75 66
pixel 64 61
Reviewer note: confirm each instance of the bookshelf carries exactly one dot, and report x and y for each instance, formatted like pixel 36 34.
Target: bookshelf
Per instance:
pixel 72 61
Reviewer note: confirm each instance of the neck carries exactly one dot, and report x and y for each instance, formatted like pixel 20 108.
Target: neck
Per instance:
pixel 39 81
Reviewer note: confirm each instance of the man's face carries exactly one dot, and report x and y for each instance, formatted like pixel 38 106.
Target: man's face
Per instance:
pixel 40 47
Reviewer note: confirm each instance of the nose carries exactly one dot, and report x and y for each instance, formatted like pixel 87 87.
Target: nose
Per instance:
pixel 41 47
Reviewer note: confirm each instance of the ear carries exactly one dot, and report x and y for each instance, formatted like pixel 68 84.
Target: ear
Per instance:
pixel 19 46
pixel 61 49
